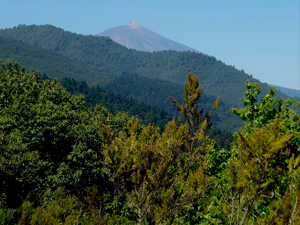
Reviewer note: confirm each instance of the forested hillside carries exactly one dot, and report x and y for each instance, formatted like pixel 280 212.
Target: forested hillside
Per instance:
pixel 77 165
pixel 151 91
pixel 53 65
pixel 157 92
pixel 116 102
pixel 147 113
pixel 50 63
pixel 219 79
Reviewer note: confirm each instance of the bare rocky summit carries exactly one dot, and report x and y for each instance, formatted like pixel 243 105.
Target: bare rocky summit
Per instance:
pixel 135 36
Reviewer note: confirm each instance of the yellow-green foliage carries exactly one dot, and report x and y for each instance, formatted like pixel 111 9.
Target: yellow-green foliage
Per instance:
pixel 161 175
pixel 262 164
pixel 254 167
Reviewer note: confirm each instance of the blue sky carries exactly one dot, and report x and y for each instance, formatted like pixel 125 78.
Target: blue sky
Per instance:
pixel 259 36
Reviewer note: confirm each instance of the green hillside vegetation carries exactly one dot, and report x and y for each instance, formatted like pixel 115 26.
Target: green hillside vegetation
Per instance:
pixel 55 65
pixel 157 92
pixel 148 114
pixel 116 102
pixel 44 130
pixel 218 79
pixel 78 165
pixel 50 63
pixel 151 91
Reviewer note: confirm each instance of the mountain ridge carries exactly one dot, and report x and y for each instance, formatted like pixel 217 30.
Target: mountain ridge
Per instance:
pixel 288 91
pixel 217 78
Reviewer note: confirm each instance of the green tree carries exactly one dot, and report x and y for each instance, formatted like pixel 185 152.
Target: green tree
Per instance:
pixel 254 168
pixel 258 171
pixel 190 110
pixel 161 175
pixel 48 138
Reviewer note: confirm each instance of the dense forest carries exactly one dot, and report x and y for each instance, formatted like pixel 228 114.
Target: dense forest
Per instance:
pixel 156 92
pixel 147 113
pixel 74 164
pixel 47 62
pixel 116 102
pixel 55 65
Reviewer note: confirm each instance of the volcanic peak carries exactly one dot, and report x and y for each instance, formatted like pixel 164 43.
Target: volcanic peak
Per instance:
pixel 134 25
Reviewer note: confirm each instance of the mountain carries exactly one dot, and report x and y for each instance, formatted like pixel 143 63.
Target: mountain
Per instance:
pixel 217 78
pixel 152 102
pixel 48 62
pixel 288 91
pixel 52 65
pixel 135 36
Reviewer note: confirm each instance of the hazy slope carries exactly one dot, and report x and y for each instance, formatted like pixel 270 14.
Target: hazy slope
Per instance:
pixel 135 36
pixel 288 91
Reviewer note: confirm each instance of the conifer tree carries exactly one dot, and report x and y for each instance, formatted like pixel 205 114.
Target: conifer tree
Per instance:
pixel 161 175
pixel 262 162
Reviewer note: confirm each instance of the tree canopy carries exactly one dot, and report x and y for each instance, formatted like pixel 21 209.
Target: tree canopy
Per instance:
pixel 75 164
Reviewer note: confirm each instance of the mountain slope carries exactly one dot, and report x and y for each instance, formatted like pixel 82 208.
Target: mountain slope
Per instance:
pixel 147 91
pixel 116 102
pixel 135 36
pixel 50 63
pixel 157 92
pixel 288 91
pixel 217 78
pixel 57 66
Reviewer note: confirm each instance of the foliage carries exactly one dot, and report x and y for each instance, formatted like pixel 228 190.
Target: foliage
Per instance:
pixel 255 168
pixel 50 63
pixel 156 92
pixel 262 165
pixel 115 102
pixel 189 110
pixel 161 175
pixel 48 138
pixel 78 165
pixel 266 109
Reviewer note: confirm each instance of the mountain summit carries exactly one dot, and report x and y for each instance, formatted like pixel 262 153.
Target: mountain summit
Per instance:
pixel 134 25
pixel 135 36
